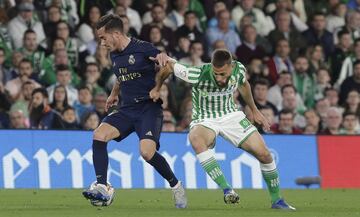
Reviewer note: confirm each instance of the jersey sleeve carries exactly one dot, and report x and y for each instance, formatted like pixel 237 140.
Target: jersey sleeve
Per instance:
pixel 188 74
pixel 241 70
pixel 150 50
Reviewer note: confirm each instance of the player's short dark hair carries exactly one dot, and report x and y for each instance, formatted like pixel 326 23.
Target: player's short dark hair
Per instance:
pixel 62 67
pixel 285 112
pixel 41 90
pixel 110 22
pixel 221 57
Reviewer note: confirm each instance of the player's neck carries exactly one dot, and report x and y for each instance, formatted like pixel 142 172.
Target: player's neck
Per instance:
pixel 124 42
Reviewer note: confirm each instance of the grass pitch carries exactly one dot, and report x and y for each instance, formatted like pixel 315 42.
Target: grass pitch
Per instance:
pixel 202 203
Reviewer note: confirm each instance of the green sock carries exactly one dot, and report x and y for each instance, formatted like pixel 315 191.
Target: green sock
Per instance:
pixel 271 177
pixel 212 168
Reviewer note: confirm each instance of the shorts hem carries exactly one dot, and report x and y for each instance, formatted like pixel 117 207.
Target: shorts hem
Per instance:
pixel 246 137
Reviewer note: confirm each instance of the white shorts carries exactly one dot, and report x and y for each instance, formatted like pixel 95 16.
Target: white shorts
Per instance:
pixel 234 127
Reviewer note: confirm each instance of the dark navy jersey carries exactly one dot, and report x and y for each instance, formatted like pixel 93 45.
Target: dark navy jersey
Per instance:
pixel 134 70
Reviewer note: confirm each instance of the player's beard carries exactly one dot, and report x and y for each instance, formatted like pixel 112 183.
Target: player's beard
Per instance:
pixel 36 114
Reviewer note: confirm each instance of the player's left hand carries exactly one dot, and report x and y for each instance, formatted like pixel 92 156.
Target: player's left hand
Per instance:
pixel 260 119
pixel 154 94
pixel 161 59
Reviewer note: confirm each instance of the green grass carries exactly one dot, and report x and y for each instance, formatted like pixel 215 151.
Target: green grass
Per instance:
pixel 202 203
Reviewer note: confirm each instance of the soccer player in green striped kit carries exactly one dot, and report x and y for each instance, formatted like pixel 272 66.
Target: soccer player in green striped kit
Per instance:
pixel 215 113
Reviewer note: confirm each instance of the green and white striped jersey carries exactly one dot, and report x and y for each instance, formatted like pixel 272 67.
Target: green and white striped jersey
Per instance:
pixel 209 100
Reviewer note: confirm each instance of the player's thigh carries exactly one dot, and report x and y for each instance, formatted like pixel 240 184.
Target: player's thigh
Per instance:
pixel 106 132
pixel 256 146
pixel 201 138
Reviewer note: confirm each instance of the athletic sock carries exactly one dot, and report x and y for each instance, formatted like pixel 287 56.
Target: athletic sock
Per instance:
pixel 212 168
pixel 271 177
pixel 163 168
pixel 100 160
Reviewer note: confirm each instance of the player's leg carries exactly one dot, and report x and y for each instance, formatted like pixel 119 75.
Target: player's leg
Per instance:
pixel 202 139
pixel 148 129
pixel 255 145
pixel 101 191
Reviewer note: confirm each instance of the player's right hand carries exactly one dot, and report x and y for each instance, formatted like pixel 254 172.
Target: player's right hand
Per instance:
pixel 154 94
pixel 111 100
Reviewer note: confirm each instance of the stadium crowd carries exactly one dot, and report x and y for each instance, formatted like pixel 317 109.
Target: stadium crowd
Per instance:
pixel 302 59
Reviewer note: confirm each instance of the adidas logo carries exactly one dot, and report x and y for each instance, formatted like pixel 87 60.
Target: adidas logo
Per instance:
pixel 149 133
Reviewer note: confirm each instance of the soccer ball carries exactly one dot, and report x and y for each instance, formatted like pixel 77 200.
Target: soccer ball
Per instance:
pixel 102 203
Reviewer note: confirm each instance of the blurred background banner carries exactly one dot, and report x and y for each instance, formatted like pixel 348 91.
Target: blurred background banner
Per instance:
pixel 63 159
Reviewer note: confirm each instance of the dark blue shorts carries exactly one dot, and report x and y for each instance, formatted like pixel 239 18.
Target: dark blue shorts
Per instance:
pixel 144 118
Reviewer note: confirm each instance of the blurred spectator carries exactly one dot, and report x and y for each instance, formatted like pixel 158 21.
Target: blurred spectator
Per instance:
pixel 287 5
pixel 128 30
pixel 322 82
pixel 305 81
pixel 286 123
pixel 332 95
pixel 317 34
pixel 280 61
pixel 23 21
pixel 342 51
pixel 51 64
pixel 92 76
pixel 30 51
pixel 99 103
pixel 350 124
pixel 16 58
pixel 60 99
pixel 284 30
pixel 90 121
pixel 169 123
pixel 213 22
pixel 269 115
pixel 353 4
pixel 289 103
pixel 84 104
pixel 156 38
pixel 312 119
pixel 186 113
pixel 176 16
pixel 86 31
pixel 352 103
pixel 69 118
pixel 249 49
pixel 63 77
pixel 336 18
pixel 262 23
pixel 146 18
pixel 158 15
pixel 222 32
pixel 315 55
pixel 22 103
pixel 347 65
pixel 260 91
pixel 41 114
pixel 255 70
pixel 189 29
pixel 5 38
pixel 351 83
pixel 135 17
pixel 274 93
pixel 321 107
pixel 5 74
pixel 25 72
pixel 17 120
pixel 68 11
pixel 168 98
pixel 196 52
pixel 54 16
pixel 333 121
pixel 182 48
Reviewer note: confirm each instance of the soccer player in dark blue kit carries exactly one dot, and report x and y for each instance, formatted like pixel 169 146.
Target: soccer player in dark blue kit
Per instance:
pixel 135 70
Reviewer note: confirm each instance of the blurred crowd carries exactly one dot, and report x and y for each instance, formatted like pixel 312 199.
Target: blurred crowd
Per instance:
pixel 302 59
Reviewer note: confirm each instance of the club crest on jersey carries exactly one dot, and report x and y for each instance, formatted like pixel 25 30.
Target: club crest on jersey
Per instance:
pixel 131 59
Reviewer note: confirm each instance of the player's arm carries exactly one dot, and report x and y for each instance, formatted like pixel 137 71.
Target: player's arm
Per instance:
pixel 113 98
pixel 245 91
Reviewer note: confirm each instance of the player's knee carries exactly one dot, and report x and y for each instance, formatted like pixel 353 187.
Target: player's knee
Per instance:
pixel 264 157
pixel 197 143
pixel 100 135
pixel 147 154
